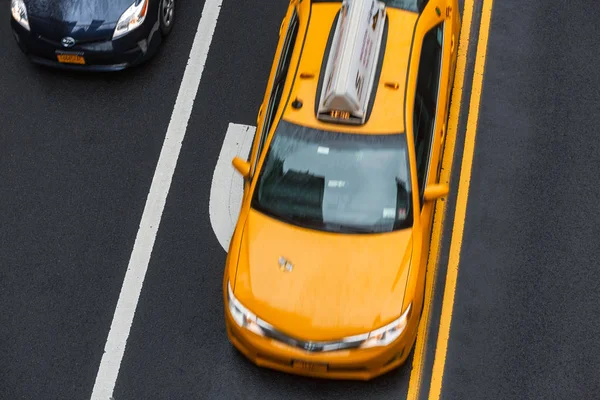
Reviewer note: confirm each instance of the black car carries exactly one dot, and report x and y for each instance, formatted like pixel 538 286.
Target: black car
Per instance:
pixel 100 35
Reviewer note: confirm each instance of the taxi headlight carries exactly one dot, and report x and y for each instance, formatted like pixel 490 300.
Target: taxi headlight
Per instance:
pixel 387 334
pixel 132 18
pixel 241 315
pixel 19 13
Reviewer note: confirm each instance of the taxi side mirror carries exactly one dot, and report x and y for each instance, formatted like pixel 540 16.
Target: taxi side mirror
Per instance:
pixel 435 191
pixel 242 166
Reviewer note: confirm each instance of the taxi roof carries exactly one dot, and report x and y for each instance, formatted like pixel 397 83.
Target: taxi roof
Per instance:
pixel 387 112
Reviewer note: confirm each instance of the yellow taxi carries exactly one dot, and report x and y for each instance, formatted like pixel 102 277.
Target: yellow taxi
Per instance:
pixel 325 272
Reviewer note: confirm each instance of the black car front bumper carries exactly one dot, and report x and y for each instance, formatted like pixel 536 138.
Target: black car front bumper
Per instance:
pixel 111 55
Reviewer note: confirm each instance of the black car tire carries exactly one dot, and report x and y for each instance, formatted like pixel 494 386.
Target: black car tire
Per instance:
pixel 166 16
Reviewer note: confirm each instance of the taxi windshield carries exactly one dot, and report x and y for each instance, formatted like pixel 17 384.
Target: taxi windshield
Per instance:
pixel 336 182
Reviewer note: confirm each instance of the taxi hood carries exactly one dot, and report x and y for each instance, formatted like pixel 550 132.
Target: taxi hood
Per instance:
pixel 340 284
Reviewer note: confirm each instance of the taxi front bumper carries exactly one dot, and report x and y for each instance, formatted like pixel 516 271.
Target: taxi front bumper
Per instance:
pixel 354 364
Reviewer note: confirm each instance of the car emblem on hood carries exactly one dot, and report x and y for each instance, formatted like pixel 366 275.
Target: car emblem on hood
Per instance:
pixel 285 265
pixel 67 41
pixel 310 346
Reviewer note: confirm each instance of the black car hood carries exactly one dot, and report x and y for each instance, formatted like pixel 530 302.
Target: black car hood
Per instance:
pixel 82 12
pixel 84 20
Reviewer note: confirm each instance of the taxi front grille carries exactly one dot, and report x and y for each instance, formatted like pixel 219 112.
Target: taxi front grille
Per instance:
pixel 309 346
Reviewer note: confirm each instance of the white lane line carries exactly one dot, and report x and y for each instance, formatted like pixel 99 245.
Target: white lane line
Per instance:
pixel 227 185
pixel 155 203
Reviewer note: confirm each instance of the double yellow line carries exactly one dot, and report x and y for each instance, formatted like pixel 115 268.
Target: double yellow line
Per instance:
pixel 461 204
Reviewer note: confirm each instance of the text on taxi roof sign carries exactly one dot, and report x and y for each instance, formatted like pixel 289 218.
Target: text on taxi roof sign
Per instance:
pixel 352 62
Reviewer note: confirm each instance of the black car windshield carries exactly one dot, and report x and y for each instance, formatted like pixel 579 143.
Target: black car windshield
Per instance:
pixel 336 182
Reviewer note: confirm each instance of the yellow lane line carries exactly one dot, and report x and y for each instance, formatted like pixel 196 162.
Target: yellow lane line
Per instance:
pixel 439 361
pixel 416 374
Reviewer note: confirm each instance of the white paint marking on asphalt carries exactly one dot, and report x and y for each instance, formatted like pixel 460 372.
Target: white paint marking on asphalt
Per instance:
pixel 227 185
pixel 155 203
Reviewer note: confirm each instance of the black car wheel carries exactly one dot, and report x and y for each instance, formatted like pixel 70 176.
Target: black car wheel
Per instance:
pixel 167 15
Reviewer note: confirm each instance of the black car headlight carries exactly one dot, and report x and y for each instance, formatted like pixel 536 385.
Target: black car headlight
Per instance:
pixel 19 13
pixel 132 18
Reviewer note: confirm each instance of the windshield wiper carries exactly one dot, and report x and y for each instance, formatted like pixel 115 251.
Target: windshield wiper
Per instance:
pixel 296 219
pixel 318 222
pixel 353 228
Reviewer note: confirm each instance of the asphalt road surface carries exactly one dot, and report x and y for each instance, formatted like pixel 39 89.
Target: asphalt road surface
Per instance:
pixel 525 323
pixel 77 157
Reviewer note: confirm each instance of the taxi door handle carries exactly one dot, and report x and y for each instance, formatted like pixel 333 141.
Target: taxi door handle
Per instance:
pixel 443 133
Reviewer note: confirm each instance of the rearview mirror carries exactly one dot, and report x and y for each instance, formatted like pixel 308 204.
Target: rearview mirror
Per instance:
pixel 435 191
pixel 243 167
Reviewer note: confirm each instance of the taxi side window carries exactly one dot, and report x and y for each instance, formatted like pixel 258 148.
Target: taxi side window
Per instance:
pixel 279 81
pixel 425 109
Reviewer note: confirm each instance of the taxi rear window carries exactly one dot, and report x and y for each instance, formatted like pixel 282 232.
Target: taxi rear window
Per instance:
pixel 408 5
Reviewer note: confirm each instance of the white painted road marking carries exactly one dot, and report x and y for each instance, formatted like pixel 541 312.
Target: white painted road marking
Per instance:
pixel 227 184
pixel 155 203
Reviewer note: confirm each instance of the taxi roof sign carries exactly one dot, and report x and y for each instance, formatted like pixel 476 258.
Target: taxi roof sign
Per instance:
pixel 352 62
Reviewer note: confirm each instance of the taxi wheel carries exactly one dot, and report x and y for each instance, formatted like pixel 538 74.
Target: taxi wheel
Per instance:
pixel 167 16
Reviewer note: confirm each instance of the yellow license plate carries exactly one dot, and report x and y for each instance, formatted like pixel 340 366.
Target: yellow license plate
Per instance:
pixel 70 58
pixel 310 367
